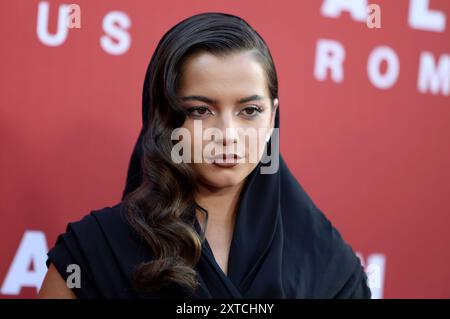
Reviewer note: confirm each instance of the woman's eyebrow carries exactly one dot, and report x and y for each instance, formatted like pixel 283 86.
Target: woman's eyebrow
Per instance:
pixel 205 99
pixel 254 97
pixel 200 98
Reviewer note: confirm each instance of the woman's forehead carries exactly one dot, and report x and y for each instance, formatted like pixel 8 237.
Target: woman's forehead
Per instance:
pixel 234 75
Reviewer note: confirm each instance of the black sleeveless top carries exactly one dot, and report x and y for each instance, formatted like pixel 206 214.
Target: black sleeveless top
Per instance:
pixel 283 246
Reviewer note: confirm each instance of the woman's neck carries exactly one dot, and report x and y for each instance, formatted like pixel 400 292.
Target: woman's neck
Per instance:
pixel 221 205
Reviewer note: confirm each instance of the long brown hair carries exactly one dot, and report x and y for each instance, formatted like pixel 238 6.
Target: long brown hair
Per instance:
pixel 160 202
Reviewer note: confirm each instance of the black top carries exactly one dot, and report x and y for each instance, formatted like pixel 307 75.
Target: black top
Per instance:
pixel 281 248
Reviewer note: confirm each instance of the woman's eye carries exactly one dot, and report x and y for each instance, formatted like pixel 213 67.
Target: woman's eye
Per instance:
pixel 251 111
pixel 203 111
pixel 198 111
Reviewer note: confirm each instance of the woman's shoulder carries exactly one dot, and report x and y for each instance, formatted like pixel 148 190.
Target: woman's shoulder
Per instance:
pixel 109 222
pixel 103 247
pixel 106 226
pixel 113 215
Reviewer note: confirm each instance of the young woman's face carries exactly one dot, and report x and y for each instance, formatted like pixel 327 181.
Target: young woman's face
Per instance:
pixel 229 95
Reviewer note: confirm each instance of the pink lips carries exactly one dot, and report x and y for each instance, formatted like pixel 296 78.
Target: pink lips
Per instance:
pixel 226 160
pixel 225 165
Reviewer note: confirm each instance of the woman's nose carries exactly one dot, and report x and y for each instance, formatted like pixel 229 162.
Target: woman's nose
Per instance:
pixel 228 127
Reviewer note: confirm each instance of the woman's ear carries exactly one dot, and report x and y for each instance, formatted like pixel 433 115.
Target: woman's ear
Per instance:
pixel 275 104
pixel 272 118
pixel 274 112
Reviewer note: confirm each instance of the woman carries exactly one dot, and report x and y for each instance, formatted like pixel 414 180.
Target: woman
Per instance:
pixel 227 227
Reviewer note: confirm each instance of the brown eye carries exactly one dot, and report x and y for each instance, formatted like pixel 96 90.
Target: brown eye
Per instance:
pixel 199 111
pixel 202 110
pixel 251 111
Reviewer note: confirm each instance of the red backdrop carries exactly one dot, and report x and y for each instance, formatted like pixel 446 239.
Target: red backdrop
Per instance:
pixel 365 123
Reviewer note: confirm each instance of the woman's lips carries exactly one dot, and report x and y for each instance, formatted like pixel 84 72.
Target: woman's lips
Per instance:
pixel 226 161
pixel 226 165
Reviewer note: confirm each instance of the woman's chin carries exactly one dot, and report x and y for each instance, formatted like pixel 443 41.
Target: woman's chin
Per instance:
pixel 220 182
pixel 222 179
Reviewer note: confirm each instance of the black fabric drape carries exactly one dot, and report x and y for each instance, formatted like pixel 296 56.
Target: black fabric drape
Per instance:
pixel 283 246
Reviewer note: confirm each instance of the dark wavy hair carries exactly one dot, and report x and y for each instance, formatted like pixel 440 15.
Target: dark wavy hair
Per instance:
pixel 160 202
